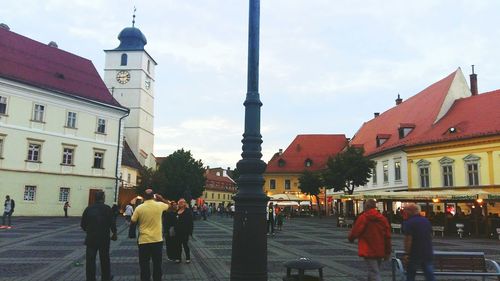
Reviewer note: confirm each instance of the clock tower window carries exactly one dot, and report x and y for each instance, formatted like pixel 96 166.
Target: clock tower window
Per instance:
pixel 149 62
pixel 124 59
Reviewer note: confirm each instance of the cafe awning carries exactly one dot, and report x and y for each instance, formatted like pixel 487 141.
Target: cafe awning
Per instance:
pixel 424 195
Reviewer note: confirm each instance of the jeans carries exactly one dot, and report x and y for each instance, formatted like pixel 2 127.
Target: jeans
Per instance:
pixel 150 251
pixel 90 258
pixel 425 265
pixel 182 242
pixel 6 215
pixel 373 266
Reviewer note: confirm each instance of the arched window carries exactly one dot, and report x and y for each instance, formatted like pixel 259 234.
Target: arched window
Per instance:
pixel 308 162
pixel 124 59
pixel 149 62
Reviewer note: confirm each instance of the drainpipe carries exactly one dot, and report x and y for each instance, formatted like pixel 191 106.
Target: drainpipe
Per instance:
pixel 117 180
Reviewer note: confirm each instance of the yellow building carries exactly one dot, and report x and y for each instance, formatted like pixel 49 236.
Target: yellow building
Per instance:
pixel 461 153
pixel 306 152
pixel 219 188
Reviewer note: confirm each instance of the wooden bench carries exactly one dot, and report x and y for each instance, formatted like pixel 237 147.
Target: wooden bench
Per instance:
pixel 395 226
pixel 451 264
pixel 438 229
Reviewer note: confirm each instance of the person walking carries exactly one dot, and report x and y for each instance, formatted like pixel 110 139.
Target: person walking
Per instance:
pixel 129 211
pixel 65 208
pixel 418 244
pixel 149 218
pixel 183 229
pixel 271 216
pixel 279 218
pixel 97 221
pixel 8 210
pixel 169 222
pixel 374 239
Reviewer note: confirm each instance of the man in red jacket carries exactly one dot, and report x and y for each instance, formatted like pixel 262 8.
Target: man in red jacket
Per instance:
pixel 374 238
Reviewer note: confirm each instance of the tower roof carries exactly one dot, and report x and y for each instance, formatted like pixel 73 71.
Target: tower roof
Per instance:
pixel 131 39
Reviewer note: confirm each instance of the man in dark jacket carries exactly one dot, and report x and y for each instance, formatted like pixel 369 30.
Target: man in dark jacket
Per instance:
pixel 374 238
pixel 7 213
pixel 97 222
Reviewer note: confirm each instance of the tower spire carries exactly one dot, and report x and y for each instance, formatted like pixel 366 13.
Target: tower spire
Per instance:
pixel 133 17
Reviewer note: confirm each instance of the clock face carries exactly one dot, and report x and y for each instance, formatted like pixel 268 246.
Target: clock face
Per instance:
pixel 147 84
pixel 123 77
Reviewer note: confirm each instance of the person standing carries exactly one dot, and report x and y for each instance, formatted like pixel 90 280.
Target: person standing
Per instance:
pixel 271 216
pixel 279 218
pixel 65 208
pixel 149 218
pixel 97 221
pixel 418 244
pixel 8 210
pixel 374 238
pixel 129 211
pixel 183 229
pixel 169 222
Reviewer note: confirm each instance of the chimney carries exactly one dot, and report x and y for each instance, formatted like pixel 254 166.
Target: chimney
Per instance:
pixel 399 100
pixel 53 44
pixel 376 114
pixel 473 82
pixel 280 151
pixel 4 26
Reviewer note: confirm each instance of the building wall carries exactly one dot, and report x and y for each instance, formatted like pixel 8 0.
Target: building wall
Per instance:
pixel 49 174
pixel 280 183
pixel 218 197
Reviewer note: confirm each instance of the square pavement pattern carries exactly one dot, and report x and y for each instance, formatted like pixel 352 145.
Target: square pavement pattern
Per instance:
pixel 39 249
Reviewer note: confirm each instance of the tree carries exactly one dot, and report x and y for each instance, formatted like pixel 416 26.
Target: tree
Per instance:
pixel 348 170
pixel 149 178
pixel 310 184
pixel 184 176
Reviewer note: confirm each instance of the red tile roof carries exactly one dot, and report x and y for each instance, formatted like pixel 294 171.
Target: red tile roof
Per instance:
pixel 419 111
pixel 317 148
pixel 27 61
pixel 470 117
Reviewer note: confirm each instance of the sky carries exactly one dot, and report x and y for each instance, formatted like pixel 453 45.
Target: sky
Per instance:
pixel 325 65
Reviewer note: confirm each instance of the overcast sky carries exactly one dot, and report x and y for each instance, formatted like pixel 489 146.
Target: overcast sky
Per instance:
pixel 326 65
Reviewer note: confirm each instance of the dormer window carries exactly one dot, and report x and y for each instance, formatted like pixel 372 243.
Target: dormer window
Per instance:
pixel 382 138
pixel 405 129
pixel 452 130
pixel 281 163
pixel 308 162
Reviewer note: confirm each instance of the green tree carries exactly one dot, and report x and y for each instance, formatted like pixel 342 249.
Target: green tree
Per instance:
pixel 149 178
pixel 348 170
pixel 184 176
pixel 310 184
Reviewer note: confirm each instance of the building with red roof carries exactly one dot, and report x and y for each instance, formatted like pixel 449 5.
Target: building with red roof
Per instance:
pixel 306 152
pixel 219 187
pixel 60 128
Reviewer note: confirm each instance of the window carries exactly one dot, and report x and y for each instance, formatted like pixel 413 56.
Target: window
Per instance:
pixel 397 170
pixel 281 163
pixel 71 120
pixel 385 169
pixel 29 193
pixel 473 173
pixel 424 176
pixel 218 195
pixel 212 195
pixel 64 194
pixel 101 126
pixel 68 156
pixel 272 184
pixel 1 148
pixel 129 178
pixel 374 175
pixel 38 112
pixel 124 59
pixel 149 63
pixel 3 105
pixel 447 175
pixel 287 184
pixel 308 163
pixel 34 152
pixel 98 159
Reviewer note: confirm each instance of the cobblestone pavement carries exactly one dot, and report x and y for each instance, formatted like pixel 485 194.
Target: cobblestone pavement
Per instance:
pixel 41 249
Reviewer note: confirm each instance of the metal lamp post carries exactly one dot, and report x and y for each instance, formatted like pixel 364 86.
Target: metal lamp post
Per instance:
pixel 249 252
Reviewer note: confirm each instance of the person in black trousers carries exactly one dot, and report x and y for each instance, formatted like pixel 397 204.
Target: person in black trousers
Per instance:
pixel 169 222
pixel 271 215
pixel 183 229
pixel 97 221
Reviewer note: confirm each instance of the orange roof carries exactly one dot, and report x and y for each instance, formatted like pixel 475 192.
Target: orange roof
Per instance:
pixel 316 148
pixel 469 117
pixel 418 112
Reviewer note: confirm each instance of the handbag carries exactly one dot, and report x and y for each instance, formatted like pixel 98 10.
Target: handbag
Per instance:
pixel 132 230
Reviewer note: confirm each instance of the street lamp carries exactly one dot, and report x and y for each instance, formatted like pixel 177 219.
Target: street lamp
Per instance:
pixel 249 252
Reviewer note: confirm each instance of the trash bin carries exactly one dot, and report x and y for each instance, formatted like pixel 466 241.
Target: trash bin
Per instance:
pixel 301 265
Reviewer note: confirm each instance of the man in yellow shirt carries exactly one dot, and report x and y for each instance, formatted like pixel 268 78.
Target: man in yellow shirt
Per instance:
pixel 149 218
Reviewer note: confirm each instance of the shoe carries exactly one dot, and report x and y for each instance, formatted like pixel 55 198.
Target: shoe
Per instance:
pixel 188 261
pixel 177 261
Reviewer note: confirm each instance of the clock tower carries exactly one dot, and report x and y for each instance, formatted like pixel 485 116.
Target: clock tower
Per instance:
pixel 129 74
